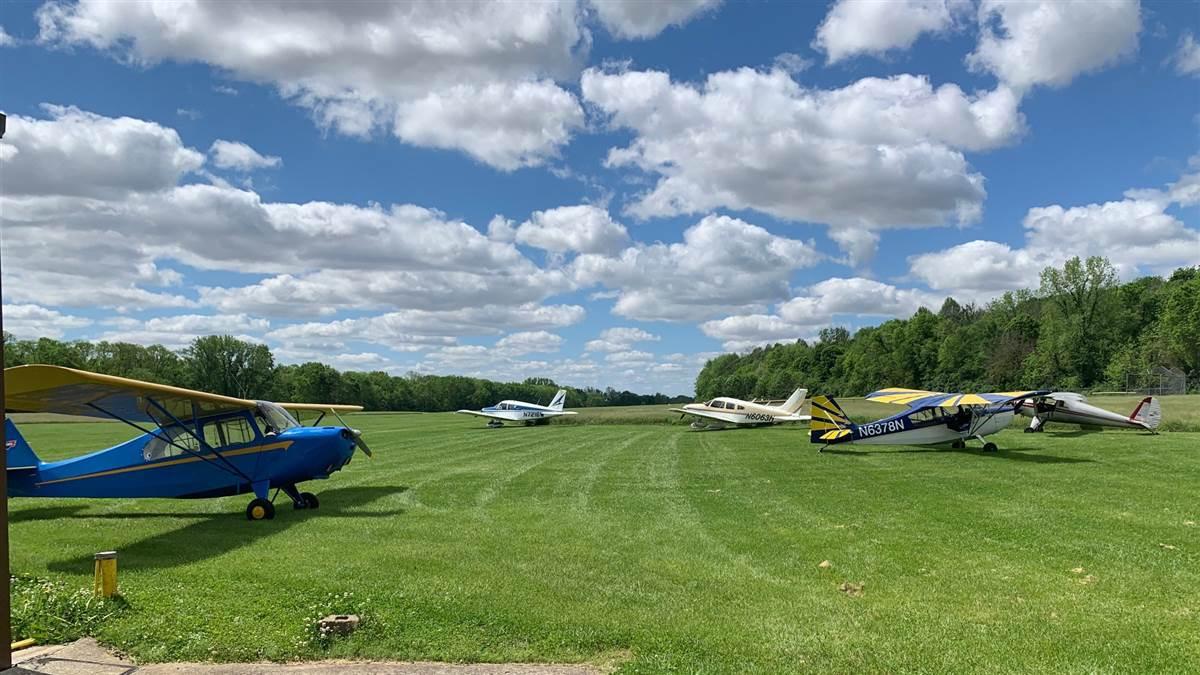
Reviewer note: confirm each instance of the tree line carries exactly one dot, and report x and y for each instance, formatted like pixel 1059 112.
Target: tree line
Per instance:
pixel 1079 330
pixel 225 365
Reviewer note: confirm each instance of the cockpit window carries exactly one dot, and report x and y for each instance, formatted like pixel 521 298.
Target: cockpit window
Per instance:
pixel 718 404
pixel 160 447
pixel 273 418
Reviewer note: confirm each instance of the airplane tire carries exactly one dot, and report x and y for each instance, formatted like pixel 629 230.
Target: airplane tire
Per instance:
pixel 260 509
pixel 310 500
pixel 990 447
pixel 958 445
pixel 1029 430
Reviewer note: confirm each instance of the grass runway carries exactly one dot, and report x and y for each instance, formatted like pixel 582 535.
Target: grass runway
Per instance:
pixel 656 549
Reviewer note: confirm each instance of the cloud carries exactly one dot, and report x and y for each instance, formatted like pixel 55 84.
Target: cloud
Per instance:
pixel 29 321
pixel 79 153
pixel 642 19
pixel 113 236
pixel 240 157
pixel 414 330
pixel 6 40
pixel 803 315
pixel 1187 56
pixel 225 89
pixel 1136 234
pixel 854 27
pixel 881 152
pixel 582 229
pixel 177 332
pixel 619 339
pixel 1049 43
pixel 529 342
pixel 722 264
pixel 189 113
pixel 473 76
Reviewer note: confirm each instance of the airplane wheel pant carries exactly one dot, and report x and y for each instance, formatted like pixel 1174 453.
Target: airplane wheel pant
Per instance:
pixel 260 509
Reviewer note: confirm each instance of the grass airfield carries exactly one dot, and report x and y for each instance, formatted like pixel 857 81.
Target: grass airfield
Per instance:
pixel 651 548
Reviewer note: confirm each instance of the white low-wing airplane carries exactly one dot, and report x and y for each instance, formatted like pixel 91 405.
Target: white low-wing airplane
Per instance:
pixel 519 411
pixel 725 410
pixel 1072 408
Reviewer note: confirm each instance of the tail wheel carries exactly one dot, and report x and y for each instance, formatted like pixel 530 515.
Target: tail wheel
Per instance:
pixel 310 500
pixel 990 447
pixel 260 509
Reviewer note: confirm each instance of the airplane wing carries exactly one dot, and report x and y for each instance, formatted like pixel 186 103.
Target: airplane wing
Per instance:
pixel 321 407
pixel 478 413
pixel 917 398
pixel 68 391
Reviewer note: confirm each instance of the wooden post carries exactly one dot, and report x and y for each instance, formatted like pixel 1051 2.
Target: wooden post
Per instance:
pixel 106 574
pixel 6 596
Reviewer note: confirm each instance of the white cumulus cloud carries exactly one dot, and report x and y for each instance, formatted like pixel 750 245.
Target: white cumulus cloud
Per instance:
pixel 641 19
pixel 854 27
pixel 240 157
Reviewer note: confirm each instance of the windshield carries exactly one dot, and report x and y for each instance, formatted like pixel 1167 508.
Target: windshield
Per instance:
pixel 275 417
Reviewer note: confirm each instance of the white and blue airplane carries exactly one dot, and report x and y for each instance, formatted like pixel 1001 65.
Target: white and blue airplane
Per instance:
pixel 528 414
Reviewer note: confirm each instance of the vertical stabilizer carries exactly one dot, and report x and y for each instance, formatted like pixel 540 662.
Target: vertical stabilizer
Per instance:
pixel 1148 413
pixel 17 453
pixel 829 422
pixel 795 401
pixel 559 399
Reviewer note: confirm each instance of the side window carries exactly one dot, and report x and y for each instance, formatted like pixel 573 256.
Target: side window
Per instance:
pixel 718 404
pixel 212 435
pixel 159 448
pixel 237 431
pixel 741 407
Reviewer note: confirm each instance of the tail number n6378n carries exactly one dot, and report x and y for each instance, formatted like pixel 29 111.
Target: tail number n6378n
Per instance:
pixel 877 428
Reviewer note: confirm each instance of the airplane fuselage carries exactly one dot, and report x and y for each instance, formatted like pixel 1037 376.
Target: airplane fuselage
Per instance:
pixel 904 430
pixel 518 411
pixel 131 469
pixel 1075 411
pixel 740 413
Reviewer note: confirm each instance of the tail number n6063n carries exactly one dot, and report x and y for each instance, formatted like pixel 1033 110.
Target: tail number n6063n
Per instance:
pixel 759 417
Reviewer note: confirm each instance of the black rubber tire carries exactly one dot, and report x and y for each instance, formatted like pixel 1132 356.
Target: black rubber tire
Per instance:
pixel 1030 430
pixel 990 447
pixel 958 445
pixel 310 500
pixel 260 509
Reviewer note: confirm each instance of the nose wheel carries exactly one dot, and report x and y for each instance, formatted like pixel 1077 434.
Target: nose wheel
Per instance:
pixel 260 509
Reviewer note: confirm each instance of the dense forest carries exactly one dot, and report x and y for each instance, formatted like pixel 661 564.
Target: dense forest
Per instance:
pixel 226 365
pixel 1080 330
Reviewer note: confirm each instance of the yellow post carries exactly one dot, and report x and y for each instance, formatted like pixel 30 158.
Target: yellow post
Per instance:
pixel 106 574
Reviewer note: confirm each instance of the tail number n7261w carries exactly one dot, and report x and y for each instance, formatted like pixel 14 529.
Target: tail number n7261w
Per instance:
pixel 531 413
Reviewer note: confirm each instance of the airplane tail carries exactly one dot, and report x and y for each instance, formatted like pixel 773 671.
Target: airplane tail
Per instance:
pixel 795 401
pixel 1148 413
pixel 829 423
pixel 559 399
pixel 18 454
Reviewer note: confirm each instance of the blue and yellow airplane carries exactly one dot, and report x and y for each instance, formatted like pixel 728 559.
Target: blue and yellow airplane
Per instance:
pixel 193 444
pixel 932 418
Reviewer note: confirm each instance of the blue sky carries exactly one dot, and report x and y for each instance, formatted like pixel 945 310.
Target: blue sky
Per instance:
pixel 603 192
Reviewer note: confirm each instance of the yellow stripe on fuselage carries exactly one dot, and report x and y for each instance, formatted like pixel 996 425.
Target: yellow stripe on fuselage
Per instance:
pixel 270 447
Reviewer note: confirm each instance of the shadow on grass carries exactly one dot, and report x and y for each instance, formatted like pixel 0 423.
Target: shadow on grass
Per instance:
pixel 217 534
pixel 1002 453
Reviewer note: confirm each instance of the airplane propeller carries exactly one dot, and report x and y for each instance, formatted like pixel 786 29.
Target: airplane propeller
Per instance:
pixel 362 445
pixel 356 435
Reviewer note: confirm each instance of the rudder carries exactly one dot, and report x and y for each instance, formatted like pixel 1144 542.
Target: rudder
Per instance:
pixel 829 423
pixel 795 401
pixel 1148 413
pixel 559 399
pixel 17 453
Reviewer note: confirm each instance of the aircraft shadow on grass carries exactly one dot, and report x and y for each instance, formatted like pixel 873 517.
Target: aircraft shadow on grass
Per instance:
pixel 1014 455
pixel 213 534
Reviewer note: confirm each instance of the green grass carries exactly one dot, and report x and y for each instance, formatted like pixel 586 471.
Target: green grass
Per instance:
pixel 660 549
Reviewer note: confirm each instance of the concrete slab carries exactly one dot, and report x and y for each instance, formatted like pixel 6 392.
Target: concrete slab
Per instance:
pixel 86 657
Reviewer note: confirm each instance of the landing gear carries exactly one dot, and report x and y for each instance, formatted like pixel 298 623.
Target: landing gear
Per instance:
pixel 260 509
pixel 958 445
pixel 301 500
pixel 495 424
pixel 990 447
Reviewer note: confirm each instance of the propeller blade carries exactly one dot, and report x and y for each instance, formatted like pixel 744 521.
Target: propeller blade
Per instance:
pixel 362 445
